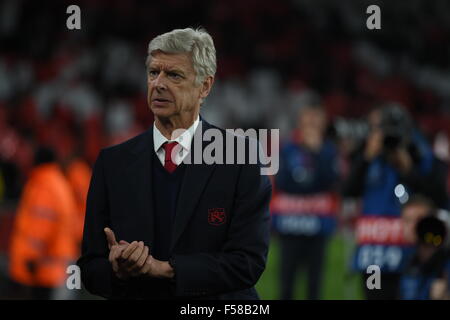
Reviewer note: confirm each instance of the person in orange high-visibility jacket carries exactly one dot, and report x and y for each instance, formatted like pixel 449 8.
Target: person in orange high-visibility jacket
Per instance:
pixel 78 174
pixel 43 241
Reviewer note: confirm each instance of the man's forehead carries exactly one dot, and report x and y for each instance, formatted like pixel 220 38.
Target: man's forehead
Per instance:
pixel 171 60
pixel 308 112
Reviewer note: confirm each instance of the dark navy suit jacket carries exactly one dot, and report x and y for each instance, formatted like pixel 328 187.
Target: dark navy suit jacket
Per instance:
pixel 212 259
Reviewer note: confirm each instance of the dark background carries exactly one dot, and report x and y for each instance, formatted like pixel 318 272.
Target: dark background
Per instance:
pixel 86 89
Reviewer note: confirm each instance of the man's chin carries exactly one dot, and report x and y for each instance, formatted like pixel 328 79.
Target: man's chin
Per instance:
pixel 161 112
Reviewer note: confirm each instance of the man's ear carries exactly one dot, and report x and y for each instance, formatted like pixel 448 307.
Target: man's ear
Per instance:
pixel 206 87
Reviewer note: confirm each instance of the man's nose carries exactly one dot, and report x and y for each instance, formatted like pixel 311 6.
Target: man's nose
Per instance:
pixel 160 82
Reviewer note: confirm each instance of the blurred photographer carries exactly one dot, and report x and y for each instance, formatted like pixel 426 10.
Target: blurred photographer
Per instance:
pixel 394 163
pixel 394 141
pixel 424 277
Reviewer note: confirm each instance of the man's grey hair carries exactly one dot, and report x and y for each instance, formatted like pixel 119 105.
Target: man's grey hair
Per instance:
pixel 196 42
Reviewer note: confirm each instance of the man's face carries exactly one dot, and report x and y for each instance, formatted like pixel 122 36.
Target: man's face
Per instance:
pixel 312 124
pixel 374 119
pixel 312 120
pixel 171 86
pixel 410 216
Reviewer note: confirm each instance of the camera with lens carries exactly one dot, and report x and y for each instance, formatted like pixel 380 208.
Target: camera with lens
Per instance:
pixel 394 122
pixel 396 125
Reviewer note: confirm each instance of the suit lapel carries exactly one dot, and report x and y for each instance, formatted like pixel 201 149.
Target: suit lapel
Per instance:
pixel 194 182
pixel 140 172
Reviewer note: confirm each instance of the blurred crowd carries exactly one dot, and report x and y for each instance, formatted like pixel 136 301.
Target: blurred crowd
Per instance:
pixel 363 116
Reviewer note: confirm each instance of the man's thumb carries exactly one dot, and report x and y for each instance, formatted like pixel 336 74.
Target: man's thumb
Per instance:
pixel 110 237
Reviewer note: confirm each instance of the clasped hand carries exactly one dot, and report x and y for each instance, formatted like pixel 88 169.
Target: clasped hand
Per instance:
pixel 134 259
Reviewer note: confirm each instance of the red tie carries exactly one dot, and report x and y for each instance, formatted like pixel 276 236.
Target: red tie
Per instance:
pixel 169 165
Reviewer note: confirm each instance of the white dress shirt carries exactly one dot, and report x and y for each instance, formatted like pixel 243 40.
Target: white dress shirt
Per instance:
pixel 184 140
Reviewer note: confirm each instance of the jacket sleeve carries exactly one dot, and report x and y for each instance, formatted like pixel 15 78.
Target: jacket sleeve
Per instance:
pixel 354 185
pixel 96 271
pixel 242 259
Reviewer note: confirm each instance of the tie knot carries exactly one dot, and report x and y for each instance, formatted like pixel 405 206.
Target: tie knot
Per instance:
pixel 168 147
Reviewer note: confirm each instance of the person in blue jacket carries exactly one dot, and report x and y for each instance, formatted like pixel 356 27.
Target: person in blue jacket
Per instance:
pixel 304 203
pixel 394 163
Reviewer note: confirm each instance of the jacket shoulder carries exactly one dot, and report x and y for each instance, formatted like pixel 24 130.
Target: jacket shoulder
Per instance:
pixel 134 144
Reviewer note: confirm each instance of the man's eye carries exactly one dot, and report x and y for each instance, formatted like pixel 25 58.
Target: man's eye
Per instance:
pixel 153 73
pixel 174 75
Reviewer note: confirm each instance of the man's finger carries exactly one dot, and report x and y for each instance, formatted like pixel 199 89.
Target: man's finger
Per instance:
pixel 117 251
pixel 135 268
pixel 114 254
pixel 129 250
pixel 134 256
pixel 143 257
pixel 110 237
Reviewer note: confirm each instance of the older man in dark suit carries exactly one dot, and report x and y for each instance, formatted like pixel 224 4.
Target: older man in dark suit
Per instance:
pixel 158 226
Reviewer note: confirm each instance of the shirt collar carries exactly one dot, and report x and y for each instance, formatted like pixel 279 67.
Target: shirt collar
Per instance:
pixel 184 139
